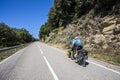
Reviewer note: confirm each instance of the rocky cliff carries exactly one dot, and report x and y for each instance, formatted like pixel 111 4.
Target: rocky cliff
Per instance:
pixel 101 35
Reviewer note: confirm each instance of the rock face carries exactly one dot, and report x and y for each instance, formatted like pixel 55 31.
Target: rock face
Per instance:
pixel 97 33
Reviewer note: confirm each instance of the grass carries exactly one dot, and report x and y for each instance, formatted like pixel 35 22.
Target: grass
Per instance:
pixel 6 54
pixel 56 30
pixel 110 59
pixel 87 18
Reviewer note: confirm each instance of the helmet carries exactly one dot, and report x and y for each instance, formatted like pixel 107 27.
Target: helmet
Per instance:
pixel 76 37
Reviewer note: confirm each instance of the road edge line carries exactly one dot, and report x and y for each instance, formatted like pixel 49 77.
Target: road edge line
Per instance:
pixel 104 67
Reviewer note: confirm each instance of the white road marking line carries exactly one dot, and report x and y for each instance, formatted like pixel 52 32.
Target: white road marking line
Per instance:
pixel 104 67
pixel 40 49
pixel 11 56
pixel 49 66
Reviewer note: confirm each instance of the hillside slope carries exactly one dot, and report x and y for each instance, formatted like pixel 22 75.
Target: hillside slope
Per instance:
pixel 100 33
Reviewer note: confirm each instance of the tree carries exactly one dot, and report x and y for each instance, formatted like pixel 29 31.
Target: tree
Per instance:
pixel 7 36
pixel 65 11
pixel 12 36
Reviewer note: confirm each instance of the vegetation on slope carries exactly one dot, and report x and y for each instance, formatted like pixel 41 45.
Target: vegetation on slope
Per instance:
pixel 65 11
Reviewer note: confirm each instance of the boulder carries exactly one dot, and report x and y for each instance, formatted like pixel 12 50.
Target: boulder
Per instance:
pixel 99 38
pixel 109 28
pixel 116 30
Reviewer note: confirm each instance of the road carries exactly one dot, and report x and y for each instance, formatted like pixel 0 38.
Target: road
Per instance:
pixel 39 61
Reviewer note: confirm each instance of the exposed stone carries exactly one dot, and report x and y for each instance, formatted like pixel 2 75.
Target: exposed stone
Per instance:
pixel 108 32
pixel 105 46
pixel 88 47
pixel 99 38
pixel 116 30
pixel 109 28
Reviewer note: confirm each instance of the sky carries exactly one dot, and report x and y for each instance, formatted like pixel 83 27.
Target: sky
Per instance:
pixel 28 14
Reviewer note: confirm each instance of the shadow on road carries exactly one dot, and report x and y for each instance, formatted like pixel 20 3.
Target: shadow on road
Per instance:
pixel 86 64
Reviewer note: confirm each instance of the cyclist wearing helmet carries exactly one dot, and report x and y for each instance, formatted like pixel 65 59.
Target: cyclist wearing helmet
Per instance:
pixel 76 45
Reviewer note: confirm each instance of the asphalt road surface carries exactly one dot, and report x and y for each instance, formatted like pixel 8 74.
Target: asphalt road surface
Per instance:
pixel 39 61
